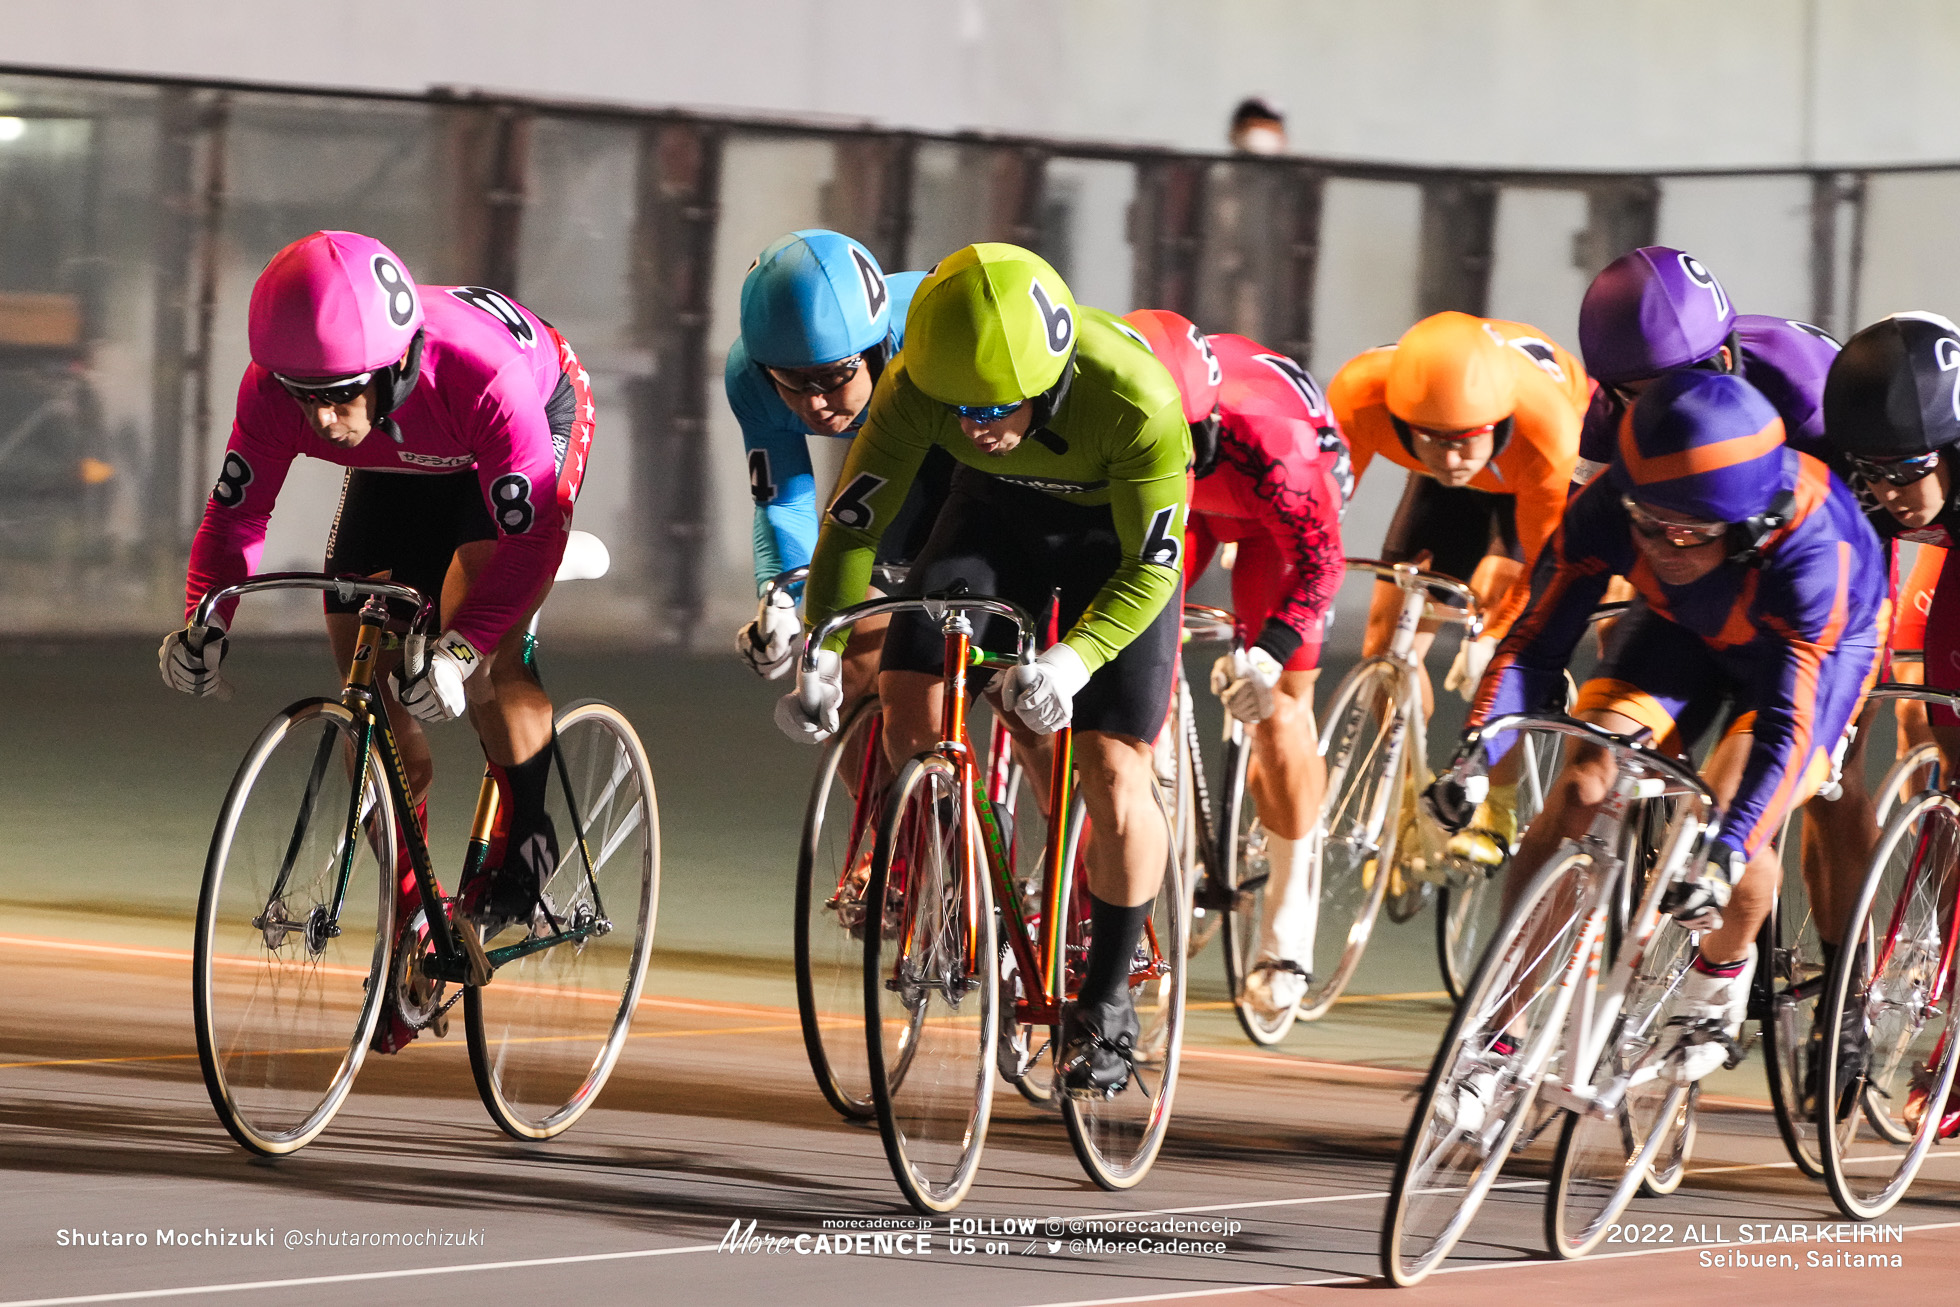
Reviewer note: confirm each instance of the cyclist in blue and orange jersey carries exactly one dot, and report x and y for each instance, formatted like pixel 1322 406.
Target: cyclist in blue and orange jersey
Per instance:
pixel 820 321
pixel 1758 581
pixel 1892 411
pixel 1272 477
pixel 464 421
pixel 1656 309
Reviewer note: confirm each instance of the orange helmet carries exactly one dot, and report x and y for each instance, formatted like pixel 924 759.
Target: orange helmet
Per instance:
pixel 1185 353
pixel 1451 373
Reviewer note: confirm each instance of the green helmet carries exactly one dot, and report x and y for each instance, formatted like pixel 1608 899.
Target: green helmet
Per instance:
pixel 992 324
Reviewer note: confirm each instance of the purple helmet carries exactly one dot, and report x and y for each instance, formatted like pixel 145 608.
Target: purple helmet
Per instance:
pixel 1704 444
pixel 1651 310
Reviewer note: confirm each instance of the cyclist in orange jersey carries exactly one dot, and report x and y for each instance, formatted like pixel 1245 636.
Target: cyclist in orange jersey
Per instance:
pixel 1486 414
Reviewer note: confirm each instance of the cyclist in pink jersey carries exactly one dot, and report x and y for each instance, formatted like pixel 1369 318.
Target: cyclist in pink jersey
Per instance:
pixel 1272 477
pixel 464 421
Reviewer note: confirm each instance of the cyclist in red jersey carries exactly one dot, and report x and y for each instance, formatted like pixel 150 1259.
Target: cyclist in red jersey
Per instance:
pixel 1273 477
pixel 464 421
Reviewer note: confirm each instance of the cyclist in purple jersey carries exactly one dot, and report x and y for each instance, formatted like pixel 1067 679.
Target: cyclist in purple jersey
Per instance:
pixel 1656 309
pixel 1759 582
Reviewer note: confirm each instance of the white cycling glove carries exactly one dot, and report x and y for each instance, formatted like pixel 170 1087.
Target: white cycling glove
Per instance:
pixel 1467 672
pixel 773 639
pixel 437 694
pixel 1042 693
pixel 189 659
pixel 808 714
pixel 1243 680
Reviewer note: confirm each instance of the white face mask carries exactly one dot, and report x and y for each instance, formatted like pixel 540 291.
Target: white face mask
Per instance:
pixel 1260 139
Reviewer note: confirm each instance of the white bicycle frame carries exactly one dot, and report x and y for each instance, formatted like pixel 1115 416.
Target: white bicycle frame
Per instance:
pixel 1641 774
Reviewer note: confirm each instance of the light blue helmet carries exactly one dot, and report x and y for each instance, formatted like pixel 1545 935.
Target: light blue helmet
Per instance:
pixel 813 297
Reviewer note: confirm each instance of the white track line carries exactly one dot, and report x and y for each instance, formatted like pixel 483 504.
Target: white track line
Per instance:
pixel 134 1294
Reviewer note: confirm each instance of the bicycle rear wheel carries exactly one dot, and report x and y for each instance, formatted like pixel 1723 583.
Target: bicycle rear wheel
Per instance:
pixel 1470 903
pixel 1116 1138
pixel 546 1031
pixel 1890 989
pixel 840 828
pixel 1360 824
pixel 1790 984
pixel 293 928
pixel 930 984
pixel 1916 771
pixel 1606 1156
pixel 1247 870
pixel 1450 1157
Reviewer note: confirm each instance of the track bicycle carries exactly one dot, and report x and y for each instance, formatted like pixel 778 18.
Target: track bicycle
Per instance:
pixel 1557 1018
pixel 1890 1047
pixel 840 830
pixel 1375 742
pixel 296 926
pixel 946 914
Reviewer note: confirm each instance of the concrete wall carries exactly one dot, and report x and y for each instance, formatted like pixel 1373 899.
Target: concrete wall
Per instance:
pixel 1609 83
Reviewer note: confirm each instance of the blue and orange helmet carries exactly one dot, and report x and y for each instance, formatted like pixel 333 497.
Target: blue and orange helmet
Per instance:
pixel 1706 445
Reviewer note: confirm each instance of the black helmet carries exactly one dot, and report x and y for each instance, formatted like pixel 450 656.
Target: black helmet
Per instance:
pixel 1891 391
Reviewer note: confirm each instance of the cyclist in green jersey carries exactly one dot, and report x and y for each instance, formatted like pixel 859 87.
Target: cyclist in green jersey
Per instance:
pixel 1073 454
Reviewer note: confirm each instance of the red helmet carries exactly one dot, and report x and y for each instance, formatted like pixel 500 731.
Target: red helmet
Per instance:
pixel 1184 351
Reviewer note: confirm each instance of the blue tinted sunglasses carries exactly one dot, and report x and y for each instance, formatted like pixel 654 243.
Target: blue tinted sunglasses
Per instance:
pixel 986 412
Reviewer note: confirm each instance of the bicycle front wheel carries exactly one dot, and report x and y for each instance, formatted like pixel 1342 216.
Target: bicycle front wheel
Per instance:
pixel 1366 748
pixel 1117 1136
pixel 930 983
pixel 1889 1045
pixel 546 1031
pixel 293 927
pixel 1606 1154
pixel 1470 904
pixel 1485 1077
pixel 833 867
pixel 1248 871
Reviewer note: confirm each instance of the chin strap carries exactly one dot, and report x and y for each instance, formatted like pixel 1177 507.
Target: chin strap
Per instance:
pixel 394 384
pixel 1747 538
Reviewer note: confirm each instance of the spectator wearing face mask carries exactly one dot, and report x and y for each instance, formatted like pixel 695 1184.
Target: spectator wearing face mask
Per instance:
pixel 1258 127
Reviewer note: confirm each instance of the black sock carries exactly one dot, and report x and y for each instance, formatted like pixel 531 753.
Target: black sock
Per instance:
pixel 1113 934
pixel 528 781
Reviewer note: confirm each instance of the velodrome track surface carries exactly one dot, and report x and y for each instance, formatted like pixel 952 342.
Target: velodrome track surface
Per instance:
pixel 711 1119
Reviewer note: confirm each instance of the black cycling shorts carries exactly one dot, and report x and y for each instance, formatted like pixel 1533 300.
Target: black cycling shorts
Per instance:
pixel 1457 525
pixel 909 531
pixel 1023 545
pixel 405 527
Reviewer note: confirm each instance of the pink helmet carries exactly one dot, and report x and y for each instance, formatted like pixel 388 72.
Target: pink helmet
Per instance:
pixel 332 304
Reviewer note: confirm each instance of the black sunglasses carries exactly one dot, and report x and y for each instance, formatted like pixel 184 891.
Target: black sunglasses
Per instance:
pixel 819 380
pixel 333 393
pixel 1896 471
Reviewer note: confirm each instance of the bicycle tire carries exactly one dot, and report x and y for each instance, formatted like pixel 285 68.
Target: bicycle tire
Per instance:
pixel 1117 1137
pixel 1360 822
pixel 930 985
pixel 1470 905
pixel 1246 871
pixel 1888 975
pixel 1914 772
pixel 547 1030
pixel 1605 1158
pixel 1424 1220
pixel 283 1025
pixel 1790 983
pixel 840 828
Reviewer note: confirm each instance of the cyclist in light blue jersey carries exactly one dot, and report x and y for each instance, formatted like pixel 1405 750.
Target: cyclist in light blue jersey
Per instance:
pixel 820 320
